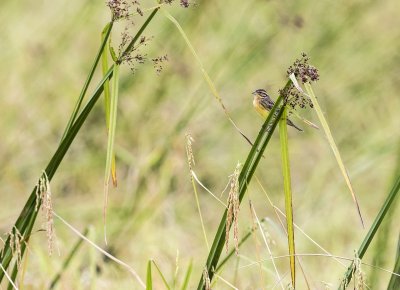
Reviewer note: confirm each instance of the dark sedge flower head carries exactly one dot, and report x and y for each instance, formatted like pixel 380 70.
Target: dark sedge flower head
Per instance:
pixel 303 71
pixel 119 8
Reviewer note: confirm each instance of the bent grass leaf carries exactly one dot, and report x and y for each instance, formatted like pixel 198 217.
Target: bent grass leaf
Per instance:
pixel 111 141
pixel 105 36
pixel 205 74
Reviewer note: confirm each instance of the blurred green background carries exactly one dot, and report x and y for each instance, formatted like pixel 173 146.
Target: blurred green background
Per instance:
pixel 47 48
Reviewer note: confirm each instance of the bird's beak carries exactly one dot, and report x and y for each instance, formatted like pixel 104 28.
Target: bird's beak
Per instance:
pixel 254 93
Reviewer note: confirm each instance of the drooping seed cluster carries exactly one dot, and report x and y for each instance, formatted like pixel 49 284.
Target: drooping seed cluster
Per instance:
pixel 232 217
pixel 44 199
pixel 16 240
pixel 131 53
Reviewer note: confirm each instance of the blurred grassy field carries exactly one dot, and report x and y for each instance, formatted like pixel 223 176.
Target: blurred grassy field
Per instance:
pixel 47 49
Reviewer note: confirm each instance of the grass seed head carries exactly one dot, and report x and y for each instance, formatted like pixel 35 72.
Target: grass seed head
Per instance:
pixel 206 280
pixel 189 151
pixel 233 209
pixel 44 199
pixel 358 273
pixel 15 244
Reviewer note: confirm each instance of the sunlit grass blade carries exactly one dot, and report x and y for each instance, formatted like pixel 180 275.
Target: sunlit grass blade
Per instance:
pixel 64 266
pixel 187 276
pixel 104 67
pixel 372 231
pixel 111 140
pixel 105 36
pixel 332 144
pixel 394 283
pixel 149 278
pixel 288 192
pixel 161 275
pixel 246 174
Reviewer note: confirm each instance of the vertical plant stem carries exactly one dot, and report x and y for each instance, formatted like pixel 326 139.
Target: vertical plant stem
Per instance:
pixel 246 174
pixel 288 192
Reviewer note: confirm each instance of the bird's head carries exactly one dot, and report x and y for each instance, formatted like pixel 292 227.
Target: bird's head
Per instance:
pixel 261 93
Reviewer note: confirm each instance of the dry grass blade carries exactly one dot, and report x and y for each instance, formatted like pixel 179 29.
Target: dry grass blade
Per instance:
pixel 8 277
pixel 118 261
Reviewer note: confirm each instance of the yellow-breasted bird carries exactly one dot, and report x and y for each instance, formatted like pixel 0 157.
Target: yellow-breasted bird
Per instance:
pixel 263 104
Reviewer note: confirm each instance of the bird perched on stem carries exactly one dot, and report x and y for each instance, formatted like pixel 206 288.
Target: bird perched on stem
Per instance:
pixel 263 104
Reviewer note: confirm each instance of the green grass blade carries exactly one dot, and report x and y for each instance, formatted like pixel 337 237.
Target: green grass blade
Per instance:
pixel 383 236
pixel 288 192
pixel 64 266
pixel 372 231
pixel 246 174
pixel 332 143
pixel 111 139
pixel 394 283
pixel 105 36
pixel 28 215
pixel 161 275
pixel 187 276
pixel 149 279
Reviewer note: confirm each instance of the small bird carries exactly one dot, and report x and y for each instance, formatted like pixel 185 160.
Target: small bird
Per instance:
pixel 263 104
